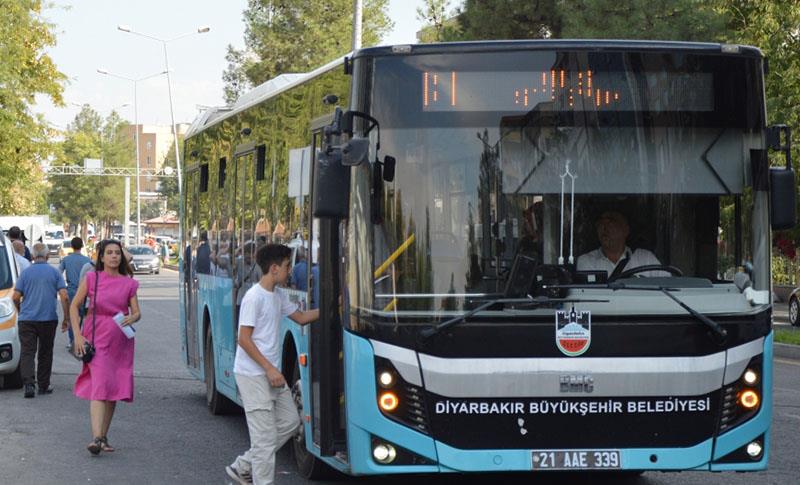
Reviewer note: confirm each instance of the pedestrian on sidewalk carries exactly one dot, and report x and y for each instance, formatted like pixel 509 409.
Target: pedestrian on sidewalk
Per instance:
pixel 35 295
pixel 71 267
pixel 15 234
pixel 19 255
pixel 108 377
pixel 268 405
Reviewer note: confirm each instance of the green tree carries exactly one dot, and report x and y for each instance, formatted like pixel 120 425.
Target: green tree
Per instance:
pixel 443 25
pixel 25 71
pixel 91 198
pixel 510 19
pixel 284 37
pixel 773 27
pixel 684 20
pixel 579 19
pixel 169 186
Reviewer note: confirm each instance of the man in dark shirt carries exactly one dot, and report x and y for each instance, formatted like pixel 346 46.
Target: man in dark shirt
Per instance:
pixel 71 266
pixel 35 296
pixel 15 234
pixel 300 271
pixel 203 255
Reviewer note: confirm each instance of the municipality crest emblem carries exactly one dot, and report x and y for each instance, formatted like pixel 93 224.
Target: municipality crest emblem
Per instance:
pixel 573 331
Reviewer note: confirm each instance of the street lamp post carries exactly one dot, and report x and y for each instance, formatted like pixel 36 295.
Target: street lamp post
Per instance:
pixel 81 105
pixel 200 30
pixel 135 82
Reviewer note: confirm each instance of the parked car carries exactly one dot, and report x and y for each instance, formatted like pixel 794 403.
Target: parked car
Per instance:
pixel 9 335
pixel 794 308
pixel 145 260
pixel 65 249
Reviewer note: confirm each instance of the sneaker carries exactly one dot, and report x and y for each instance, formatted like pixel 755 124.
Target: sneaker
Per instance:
pixel 46 390
pixel 30 390
pixel 243 478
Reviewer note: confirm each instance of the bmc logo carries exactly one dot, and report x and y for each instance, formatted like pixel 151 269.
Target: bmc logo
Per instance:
pixel 583 383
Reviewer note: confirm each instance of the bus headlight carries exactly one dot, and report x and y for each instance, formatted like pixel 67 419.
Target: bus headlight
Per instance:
pixel 384 453
pixel 754 449
pixel 386 379
pixel 398 399
pixel 741 399
pixel 389 401
pixel 750 376
pixel 748 399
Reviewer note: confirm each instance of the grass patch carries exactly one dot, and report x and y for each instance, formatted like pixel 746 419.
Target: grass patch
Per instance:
pixel 787 335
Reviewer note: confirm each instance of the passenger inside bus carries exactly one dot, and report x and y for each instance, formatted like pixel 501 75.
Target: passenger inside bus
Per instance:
pixel 614 255
pixel 203 260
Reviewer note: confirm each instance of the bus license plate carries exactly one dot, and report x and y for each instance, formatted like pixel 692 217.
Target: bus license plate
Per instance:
pixel 575 459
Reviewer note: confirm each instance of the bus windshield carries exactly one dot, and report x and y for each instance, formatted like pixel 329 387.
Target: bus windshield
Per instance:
pixel 549 154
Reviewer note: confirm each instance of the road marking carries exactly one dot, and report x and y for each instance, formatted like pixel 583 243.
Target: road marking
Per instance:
pixel 786 361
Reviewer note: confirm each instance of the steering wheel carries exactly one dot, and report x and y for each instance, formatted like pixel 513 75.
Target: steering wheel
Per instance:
pixel 648 267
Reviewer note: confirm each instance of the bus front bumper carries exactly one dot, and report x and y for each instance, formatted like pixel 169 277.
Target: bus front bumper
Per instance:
pixel 368 428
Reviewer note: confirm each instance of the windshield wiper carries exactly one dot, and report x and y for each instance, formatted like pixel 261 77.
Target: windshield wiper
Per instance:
pixel 721 333
pixel 530 302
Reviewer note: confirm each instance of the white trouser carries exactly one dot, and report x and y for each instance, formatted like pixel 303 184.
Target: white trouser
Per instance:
pixel 271 420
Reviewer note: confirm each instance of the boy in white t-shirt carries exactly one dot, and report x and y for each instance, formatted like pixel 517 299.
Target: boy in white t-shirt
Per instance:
pixel 270 410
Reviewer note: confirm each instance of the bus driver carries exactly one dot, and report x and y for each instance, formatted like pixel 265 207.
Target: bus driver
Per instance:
pixel 613 255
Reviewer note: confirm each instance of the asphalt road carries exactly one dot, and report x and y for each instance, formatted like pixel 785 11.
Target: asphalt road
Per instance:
pixel 167 436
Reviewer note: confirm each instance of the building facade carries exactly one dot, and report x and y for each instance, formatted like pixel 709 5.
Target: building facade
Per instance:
pixel 155 142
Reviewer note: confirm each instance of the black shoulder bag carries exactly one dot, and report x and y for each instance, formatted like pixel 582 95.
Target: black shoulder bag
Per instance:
pixel 88 347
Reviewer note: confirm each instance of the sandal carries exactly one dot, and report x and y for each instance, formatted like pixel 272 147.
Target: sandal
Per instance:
pixel 95 446
pixel 105 446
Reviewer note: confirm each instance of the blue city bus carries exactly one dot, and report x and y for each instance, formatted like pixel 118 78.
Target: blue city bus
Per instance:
pixel 528 256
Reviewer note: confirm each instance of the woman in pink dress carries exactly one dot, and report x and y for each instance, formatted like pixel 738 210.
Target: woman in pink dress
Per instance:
pixel 108 378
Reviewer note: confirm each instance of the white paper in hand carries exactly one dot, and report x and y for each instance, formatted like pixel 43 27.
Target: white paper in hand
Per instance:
pixel 129 331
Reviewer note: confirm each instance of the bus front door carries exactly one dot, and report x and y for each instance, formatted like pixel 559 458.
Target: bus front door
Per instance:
pixel 193 338
pixel 325 343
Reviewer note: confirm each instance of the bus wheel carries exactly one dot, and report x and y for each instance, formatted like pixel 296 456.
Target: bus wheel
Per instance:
pixel 794 311
pixel 308 465
pixel 217 403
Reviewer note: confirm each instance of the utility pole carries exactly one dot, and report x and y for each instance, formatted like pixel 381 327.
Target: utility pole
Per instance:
pixel 358 13
pixel 127 207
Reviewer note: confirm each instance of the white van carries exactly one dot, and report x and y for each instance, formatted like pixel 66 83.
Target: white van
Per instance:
pixel 10 376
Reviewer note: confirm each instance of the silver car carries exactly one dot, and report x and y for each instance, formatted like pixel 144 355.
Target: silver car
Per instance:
pixel 145 260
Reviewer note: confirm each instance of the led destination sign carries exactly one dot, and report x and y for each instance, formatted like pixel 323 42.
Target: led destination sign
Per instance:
pixel 565 90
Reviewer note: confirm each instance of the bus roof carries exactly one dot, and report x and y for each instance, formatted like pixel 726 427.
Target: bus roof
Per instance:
pixel 284 82
pixel 561 44
pixel 257 95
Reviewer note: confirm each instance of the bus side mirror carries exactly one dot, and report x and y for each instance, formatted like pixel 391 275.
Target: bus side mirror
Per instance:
pixel 355 152
pixel 331 186
pixel 782 198
pixel 783 192
pixel 388 168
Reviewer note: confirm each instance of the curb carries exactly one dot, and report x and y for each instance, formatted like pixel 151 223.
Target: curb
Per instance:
pixel 787 351
pixel 173 267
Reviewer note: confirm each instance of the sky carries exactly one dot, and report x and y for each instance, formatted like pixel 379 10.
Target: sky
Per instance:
pixel 88 39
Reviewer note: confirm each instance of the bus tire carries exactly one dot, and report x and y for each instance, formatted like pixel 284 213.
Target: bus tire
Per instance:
pixel 308 466
pixel 217 403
